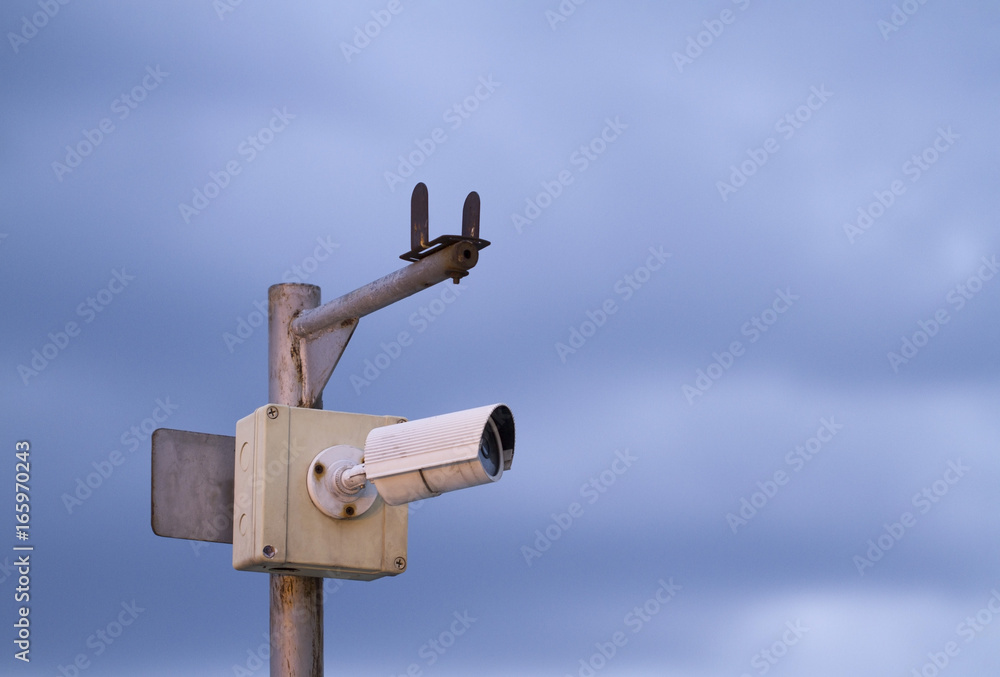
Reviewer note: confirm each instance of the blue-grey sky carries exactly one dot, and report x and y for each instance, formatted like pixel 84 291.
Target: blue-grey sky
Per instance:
pixel 742 299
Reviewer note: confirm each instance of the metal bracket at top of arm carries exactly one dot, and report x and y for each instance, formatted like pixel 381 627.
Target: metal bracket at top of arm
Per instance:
pixel 321 334
pixel 420 244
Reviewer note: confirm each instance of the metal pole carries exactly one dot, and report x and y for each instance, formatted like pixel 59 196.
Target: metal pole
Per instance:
pixel 296 601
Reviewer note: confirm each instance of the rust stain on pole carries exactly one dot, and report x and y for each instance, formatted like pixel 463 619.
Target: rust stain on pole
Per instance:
pixel 296 606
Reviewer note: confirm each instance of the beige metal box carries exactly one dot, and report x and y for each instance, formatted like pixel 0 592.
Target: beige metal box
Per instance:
pixel 276 526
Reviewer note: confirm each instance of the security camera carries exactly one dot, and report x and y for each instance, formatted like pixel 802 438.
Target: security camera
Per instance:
pixel 296 468
pixel 417 459
pixel 427 457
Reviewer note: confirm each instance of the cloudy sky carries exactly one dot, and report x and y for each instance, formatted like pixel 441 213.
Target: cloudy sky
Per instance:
pixel 741 299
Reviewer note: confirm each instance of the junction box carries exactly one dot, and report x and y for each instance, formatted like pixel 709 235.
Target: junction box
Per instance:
pixel 277 528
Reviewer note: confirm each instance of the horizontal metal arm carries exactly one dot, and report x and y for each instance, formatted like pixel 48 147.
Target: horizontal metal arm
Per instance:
pixel 453 261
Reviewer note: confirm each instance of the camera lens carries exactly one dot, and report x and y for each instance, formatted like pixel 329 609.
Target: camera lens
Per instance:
pixel 489 450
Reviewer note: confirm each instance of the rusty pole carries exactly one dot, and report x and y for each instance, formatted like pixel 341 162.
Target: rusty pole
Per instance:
pixel 296 601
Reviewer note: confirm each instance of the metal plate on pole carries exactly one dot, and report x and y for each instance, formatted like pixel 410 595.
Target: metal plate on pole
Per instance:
pixel 193 485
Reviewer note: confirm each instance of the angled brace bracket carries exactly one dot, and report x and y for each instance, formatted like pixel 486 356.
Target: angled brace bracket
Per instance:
pixel 319 356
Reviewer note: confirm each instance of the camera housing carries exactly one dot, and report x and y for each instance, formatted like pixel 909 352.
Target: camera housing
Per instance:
pixel 419 459
pixel 323 493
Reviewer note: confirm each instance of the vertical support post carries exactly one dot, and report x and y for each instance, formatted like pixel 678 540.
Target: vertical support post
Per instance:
pixel 296 601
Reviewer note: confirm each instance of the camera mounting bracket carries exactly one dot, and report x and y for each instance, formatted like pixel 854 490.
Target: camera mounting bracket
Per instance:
pixel 420 247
